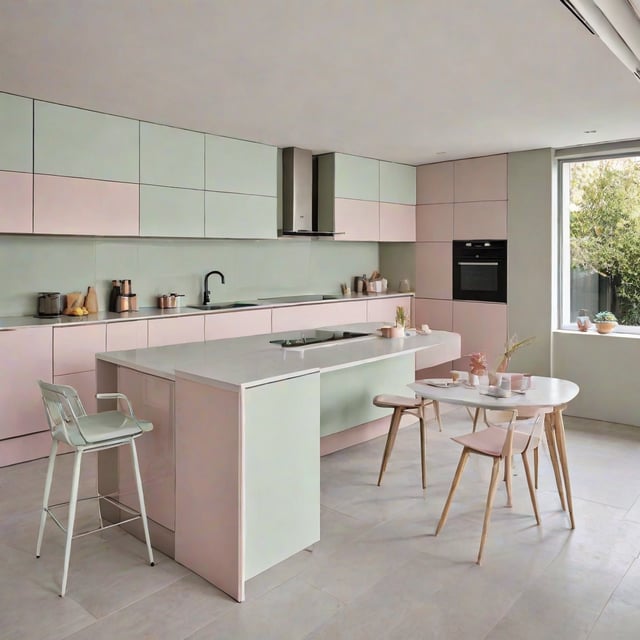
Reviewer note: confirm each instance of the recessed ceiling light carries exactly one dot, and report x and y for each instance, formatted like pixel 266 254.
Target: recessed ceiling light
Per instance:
pixel 591 131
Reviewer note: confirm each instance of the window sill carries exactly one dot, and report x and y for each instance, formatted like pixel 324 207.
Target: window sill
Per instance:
pixel 620 332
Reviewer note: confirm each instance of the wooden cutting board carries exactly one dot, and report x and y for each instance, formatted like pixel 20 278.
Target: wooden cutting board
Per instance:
pixel 91 300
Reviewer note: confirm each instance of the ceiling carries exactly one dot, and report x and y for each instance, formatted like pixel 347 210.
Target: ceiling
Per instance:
pixel 412 81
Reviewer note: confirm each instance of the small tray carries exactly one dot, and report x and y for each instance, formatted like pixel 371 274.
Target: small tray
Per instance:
pixel 441 383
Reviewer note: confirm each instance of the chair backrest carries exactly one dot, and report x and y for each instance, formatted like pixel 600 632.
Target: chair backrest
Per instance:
pixel 63 408
pixel 530 427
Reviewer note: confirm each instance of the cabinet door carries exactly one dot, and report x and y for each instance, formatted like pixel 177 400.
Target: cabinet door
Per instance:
pixel 236 324
pixel 397 222
pixel 311 316
pixel 384 309
pixel 481 179
pixel 171 157
pixel 16 133
pixel 177 213
pixel 357 178
pixel 357 220
pixel 234 215
pixel 75 206
pixel 397 183
pixel 85 384
pixel 164 331
pixel 434 277
pixel 16 202
pixel 26 358
pixel 240 166
pixel 434 183
pixel 486 219
pixel 75 348
pixel 126 335
pixel 434 222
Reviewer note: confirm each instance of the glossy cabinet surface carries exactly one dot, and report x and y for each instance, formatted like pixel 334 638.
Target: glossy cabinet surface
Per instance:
pixel 85 144
pixel 356 177
pixel 236 324
pixel 171 212
pixel 397 183
pixel 397 222
pixel 16 133
pixel 164 331
pixel 480 179
pixel 234 215
pixel 26 358
pixel 434 278
pixel 126 335
pixel 384 309
pixel 434 222
pixel 84 383
pixel 356 220
pixel 434 183
pixel 438 314
pixel 240 166
pixel 317 315
pixel 171 157
pixel 16 202
pixel 74 348
pixel 78 206
pixel 472 220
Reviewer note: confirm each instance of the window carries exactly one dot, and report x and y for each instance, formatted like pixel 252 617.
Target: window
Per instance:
pixel 600 257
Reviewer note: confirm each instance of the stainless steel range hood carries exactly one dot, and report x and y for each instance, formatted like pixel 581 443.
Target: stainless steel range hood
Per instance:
pixel 297 192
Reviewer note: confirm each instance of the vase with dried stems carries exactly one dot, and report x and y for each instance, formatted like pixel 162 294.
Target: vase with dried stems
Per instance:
pixel 510 347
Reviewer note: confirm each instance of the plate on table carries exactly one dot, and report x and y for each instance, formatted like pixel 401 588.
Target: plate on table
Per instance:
pixel 442 383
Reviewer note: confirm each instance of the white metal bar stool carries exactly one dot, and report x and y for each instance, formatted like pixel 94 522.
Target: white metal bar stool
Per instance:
pixel 69 423
pixel 400 406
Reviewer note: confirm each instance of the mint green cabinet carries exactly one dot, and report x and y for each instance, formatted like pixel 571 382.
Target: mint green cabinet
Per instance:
pixel 85 144
pixel 357 178
pixel 171 157
pixel 16 133
pixel 171 212
pixel 233 215
pixel 397 183
pixel 239 166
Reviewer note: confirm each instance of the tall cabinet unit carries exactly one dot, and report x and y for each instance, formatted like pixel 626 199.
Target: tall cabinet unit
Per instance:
pixel 397 202
pixel 459 200
pixel 16 164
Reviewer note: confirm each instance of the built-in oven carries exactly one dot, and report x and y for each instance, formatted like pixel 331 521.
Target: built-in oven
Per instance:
pixel 480 270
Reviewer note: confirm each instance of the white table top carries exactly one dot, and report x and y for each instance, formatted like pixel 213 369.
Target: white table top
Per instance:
pixel 545 392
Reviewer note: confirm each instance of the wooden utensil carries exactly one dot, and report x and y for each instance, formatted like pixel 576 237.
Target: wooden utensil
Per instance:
pixel 91 300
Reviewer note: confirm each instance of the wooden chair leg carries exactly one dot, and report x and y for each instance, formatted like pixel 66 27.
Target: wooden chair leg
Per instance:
pixel 487 513
pixel 454 485
pixel 436 410
pixel 423 450
pixel 535 466
pixel 553 454
pixel 508 478
pixel 391 438
pixel 532 492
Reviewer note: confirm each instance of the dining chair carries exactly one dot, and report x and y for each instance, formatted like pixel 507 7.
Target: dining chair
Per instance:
pixel 70 424
pixel 499 443
pixel 402 405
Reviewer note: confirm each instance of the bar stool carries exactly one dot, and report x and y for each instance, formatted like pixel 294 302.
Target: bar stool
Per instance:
pixel 400 406
pixel 70 424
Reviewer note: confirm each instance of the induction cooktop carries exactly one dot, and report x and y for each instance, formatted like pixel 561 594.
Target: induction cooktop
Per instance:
pixel 316 336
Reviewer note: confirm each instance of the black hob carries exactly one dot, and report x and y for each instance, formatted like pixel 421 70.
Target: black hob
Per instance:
pixel 315 336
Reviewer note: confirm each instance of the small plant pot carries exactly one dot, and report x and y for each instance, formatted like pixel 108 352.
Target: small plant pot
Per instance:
pixel 605 327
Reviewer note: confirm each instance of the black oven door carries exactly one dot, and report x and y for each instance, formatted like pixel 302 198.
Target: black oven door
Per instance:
pixel 480 270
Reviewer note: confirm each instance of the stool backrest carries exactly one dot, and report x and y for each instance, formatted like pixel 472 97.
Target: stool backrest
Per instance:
pixel 63 408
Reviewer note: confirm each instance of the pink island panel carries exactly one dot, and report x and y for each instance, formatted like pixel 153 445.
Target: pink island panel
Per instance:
pixel 16 202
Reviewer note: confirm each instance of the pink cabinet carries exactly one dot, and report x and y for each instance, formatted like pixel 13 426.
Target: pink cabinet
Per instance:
pixel 397 222
pixel 163 331
pixel 126 335
pixel 357 220
pixel 473 220
pixel 236 324
pixel 434 270
pixel 78 206
pixel 26 358
pixel 75 348
pixel 311 316
pixel 384 309
pixel 438 314
pixel 480 179
pixel 434 183
pixel 85 384
pixel 16 202
pixel 434 222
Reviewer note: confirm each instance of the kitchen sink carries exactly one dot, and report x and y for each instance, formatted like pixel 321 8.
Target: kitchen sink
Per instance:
pixel 215 306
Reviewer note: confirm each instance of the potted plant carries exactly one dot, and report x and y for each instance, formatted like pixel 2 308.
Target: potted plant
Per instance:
pixel 605 321
pixel 401 317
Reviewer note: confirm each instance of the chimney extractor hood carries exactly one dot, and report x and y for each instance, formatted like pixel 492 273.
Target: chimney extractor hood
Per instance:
pixel 297 192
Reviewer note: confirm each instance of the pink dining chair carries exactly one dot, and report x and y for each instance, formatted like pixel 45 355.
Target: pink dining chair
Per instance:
pixel 499 441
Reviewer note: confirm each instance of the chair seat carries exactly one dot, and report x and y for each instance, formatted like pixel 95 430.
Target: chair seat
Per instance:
pixel 103 427
pixel 490 441
pixel 391 401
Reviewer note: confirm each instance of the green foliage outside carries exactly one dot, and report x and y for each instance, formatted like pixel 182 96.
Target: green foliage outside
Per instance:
pixel 605 228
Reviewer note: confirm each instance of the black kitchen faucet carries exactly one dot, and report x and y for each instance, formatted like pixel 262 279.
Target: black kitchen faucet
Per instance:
pixel 205 299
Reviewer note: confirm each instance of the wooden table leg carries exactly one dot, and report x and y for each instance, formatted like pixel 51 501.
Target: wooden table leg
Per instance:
pixel 558 426
pixel 553 454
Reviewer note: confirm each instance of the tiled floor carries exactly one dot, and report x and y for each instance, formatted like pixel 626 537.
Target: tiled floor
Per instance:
pixel 378 571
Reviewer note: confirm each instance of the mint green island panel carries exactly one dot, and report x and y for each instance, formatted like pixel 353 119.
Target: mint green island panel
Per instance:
pixel 282 470
pixel 233 215
pixel 357 178
pixel 171 157
pixel 346 394
pixel 170 212
pixel 16 133
pixel 239 166
pixel 85 144
pixel 397 183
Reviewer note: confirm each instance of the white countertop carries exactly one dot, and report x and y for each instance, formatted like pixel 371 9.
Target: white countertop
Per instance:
pixel 253 360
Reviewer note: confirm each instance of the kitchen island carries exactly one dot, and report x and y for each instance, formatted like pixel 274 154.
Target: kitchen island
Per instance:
pixel 232 469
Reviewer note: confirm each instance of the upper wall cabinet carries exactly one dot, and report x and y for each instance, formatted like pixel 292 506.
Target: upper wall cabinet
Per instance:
pixel 85 144
pixel 238 215
pixel 171 157
pixel 397 183
pixel 16 133
pixel 479 179
pixel 171 212
pixel 356 178
pixel 239 166
pixel 434 183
